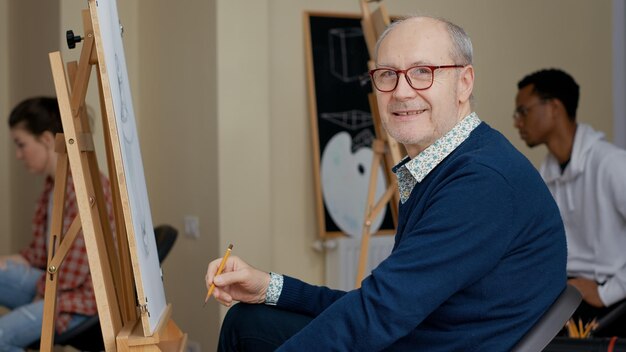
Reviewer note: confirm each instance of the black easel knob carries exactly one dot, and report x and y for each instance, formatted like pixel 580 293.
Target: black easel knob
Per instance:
pixel 72 39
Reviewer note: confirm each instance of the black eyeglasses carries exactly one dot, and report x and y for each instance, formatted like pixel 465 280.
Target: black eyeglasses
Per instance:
pixel 419 77
pixel 523 111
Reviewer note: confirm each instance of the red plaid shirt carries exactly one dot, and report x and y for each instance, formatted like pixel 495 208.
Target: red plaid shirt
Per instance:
pixel 75 290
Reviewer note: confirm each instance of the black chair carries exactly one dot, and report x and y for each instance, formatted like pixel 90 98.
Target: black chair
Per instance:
pixel 551 322
pixel 165 236
pixel 88 335
pixel 85 337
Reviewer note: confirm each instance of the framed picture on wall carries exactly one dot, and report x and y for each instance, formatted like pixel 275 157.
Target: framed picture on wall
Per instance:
pixel 341 125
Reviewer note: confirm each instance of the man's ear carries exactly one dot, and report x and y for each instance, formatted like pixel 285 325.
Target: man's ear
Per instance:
pixel 466 83
pixel 558 109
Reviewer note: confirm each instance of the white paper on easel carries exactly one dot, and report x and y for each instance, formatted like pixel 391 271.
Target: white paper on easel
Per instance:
pixel 144 251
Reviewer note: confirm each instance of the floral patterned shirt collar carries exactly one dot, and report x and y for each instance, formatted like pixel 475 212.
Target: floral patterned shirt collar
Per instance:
pixel 411 171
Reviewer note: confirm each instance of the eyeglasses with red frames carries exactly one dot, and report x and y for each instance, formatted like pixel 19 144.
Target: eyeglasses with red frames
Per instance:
pixel 418 77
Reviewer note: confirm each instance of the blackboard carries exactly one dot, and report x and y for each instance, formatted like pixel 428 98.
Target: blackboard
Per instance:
pixel 341 124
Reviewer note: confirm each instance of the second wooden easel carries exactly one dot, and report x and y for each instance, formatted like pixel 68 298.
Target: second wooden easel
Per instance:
pixel 121 312
pixel 387 152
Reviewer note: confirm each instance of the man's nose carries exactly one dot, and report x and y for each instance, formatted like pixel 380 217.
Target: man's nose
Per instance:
pixel 403 89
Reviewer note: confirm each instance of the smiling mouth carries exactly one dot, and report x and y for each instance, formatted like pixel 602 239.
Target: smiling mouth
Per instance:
pixel 408 113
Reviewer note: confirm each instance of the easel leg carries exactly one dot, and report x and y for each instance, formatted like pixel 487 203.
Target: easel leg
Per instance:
pixel 56 228
pixel 385 149
pixel 377 145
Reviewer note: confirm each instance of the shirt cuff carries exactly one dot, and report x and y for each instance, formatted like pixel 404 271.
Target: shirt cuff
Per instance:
pixel 274 289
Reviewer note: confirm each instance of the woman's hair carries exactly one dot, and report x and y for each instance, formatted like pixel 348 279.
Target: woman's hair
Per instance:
pixel 37 115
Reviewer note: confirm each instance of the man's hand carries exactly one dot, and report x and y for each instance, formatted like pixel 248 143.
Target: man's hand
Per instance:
pixel 238 282
pixel 589 290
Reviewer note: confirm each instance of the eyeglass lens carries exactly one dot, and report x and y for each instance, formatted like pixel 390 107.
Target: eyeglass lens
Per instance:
pixel 523 111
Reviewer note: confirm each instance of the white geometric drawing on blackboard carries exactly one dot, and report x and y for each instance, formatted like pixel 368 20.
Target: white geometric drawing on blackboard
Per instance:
pixel 341 43
pixel 352 120
pixel 362 139
pixel 345 182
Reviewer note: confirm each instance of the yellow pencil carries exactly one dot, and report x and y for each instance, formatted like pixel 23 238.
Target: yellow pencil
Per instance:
pixel 589 327
pixel 585 333
pixel 571 327
pixel 219 271
pixel 580 328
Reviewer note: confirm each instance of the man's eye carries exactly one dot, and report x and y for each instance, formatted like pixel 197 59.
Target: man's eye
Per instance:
pixel 420 71
pixel 387 74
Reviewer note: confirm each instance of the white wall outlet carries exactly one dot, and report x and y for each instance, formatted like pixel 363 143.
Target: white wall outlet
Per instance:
pixel 192 226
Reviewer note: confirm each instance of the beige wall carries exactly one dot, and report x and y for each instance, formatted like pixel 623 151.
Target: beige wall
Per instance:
pixel 30 35
pixel 220 95
pixel 177 104
pixel 5 142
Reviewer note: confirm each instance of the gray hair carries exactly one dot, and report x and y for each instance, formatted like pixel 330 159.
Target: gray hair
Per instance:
pixel 462 52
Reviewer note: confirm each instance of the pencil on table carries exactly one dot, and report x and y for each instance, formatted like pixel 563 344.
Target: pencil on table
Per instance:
pixel 219 271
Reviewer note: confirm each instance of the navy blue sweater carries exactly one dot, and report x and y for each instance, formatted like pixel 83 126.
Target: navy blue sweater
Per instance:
pixel 479 256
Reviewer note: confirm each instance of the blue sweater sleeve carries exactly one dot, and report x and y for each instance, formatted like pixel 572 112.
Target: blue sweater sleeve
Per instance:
pixel 298 296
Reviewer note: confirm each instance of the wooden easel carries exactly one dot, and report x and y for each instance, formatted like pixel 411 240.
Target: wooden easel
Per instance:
pixel 121 312
pixel 387 152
